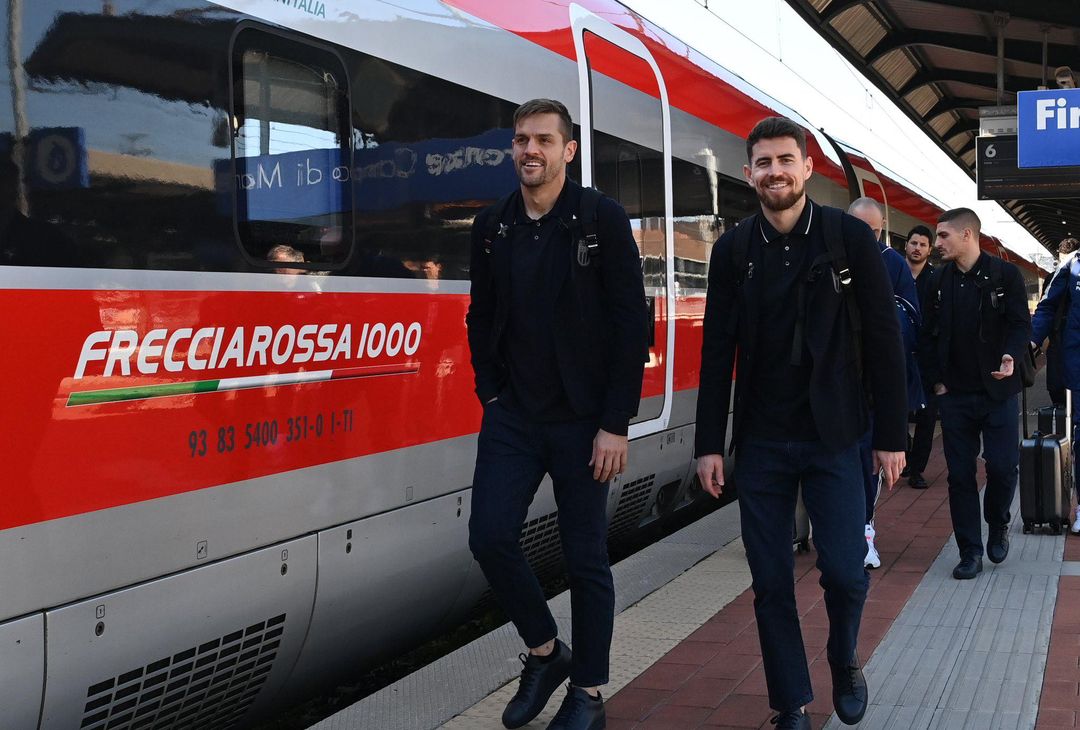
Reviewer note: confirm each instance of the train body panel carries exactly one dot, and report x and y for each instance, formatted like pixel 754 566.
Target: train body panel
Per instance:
pixel 184 410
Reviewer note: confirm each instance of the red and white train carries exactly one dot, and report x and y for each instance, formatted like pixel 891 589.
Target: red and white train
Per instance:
pixel 239 425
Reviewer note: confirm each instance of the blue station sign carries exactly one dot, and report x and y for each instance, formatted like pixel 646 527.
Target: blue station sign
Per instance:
pixel 1048 128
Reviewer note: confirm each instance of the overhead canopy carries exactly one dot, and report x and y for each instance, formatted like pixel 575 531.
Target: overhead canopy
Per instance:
pixel 938 61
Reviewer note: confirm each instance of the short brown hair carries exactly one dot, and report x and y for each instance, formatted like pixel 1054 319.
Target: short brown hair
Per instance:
pixel 1068 245
pixel 772 128
pixel 547 106
pixel 964 218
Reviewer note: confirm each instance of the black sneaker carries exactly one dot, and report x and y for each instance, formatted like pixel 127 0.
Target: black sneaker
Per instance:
pixel 797 720
pixel 849 695
pixel 997 543
pixel 579 711
pixel 968 567
pixel 916 481
pixel 539 680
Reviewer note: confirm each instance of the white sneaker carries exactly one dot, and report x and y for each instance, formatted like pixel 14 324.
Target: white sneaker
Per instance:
pixel 1076 523
pixel 872 560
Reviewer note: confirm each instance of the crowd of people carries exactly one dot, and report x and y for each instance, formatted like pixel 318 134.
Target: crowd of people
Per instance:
pixel 840 343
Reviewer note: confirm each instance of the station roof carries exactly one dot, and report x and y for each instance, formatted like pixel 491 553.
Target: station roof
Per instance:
pixel 938 61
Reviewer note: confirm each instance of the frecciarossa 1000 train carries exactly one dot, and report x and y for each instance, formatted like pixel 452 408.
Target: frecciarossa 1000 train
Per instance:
pixel 239 424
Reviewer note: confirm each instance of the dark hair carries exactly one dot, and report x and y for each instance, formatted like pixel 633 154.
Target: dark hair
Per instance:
pixel 547 106
pixel 964 217
pixel 771 128
pixel 1068 245
pixel 920 230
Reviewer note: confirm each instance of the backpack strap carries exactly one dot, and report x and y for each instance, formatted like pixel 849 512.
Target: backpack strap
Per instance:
pixel 588 222
pixel 834 244
pixel 740 249
pixel 498 222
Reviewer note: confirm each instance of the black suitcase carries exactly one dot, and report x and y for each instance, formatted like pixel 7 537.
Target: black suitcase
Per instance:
pixel 1045 479
pixel 1052 419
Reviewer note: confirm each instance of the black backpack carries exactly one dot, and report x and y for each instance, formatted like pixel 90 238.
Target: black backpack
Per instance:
pixel 583 227
pixel 836 256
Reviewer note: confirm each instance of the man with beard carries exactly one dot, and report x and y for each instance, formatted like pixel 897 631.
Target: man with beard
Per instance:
pixel 789 291
pixel 917 253
pixel 558 330
pixel 977 327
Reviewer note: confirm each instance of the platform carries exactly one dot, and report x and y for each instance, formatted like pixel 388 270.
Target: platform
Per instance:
pixel 1001 651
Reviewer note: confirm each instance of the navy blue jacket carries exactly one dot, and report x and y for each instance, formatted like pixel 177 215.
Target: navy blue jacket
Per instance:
pixel 838 400
pixel 1062 288
pixel 909 315
pixel 600 319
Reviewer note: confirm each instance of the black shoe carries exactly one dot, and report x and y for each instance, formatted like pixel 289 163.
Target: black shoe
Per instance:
pixel 997 543
pixel 579 711
pixel 539 680
pixel 916 481
pixel 969 567
pixel 849 695
pixel 797 720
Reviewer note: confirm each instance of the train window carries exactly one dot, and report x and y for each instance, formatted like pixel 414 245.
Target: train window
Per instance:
pixel 628 143
pixel 292 153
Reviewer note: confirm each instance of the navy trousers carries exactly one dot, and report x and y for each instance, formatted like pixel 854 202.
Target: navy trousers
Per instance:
pixel 965 417
pixel 767 476
pixel 513 454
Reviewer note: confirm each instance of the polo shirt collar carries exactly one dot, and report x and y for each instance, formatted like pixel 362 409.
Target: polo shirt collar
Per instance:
pixel 801 227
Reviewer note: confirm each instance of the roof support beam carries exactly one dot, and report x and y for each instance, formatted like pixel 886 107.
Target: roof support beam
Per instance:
pixel 1025 51
pixel 974 78
pixel 1051 12
pixel 950 104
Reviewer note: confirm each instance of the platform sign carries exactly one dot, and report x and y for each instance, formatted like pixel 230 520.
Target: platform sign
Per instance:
pixel 56 158
pixel 1048 127
pixel 999 177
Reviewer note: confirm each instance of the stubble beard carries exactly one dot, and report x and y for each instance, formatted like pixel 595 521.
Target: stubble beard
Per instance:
pixel 783 203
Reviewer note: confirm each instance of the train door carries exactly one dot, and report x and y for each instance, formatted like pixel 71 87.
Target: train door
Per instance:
pixel 626 153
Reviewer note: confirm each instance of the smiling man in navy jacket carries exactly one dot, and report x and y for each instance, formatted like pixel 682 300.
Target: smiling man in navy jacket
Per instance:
pixel 558 329
pixel 788 290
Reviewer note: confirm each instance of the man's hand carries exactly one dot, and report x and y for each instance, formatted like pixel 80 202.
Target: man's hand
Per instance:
pixel 940 389
pixel 608 455
pixel 892 463
pixel 1005 370
pixel 710 472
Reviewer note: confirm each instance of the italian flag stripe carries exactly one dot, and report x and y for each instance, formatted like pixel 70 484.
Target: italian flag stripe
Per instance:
pixel 145 392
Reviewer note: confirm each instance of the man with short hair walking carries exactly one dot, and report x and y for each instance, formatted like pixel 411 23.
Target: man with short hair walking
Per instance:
pixel 977 328
pixel 784 289
pixel 917 253
pixel 558 334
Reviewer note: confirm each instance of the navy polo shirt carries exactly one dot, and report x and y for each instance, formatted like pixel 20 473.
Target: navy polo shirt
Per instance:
pixel 962 374
pixel 778 408
pixel 539 255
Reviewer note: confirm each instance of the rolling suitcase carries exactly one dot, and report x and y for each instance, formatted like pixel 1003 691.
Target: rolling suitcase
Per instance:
pixel 800 533
pixel 1045 477
pixel 1052 419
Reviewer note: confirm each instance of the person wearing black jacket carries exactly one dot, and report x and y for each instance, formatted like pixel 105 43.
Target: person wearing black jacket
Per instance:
pixel 787 312
pixel 558 332
pixel 976 327
pixel 917 253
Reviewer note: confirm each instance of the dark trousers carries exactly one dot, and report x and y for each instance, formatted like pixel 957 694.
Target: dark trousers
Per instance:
pixel 513 454
pixel 923 442
pixel 871 484
pixel 965 417
pixel 767 476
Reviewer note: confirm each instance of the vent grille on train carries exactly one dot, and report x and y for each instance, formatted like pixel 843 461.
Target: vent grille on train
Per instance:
pixel 541 544
pixel 209 687
pixel 633 499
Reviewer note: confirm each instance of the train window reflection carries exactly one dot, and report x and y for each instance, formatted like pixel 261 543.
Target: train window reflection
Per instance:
pixel 292 145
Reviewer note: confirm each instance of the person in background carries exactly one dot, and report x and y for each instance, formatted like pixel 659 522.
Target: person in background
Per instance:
pixel 977 326
pixel 1057 317
pixel 917 253
pixel 1055 383
pixel 872 213
pixel 283 253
